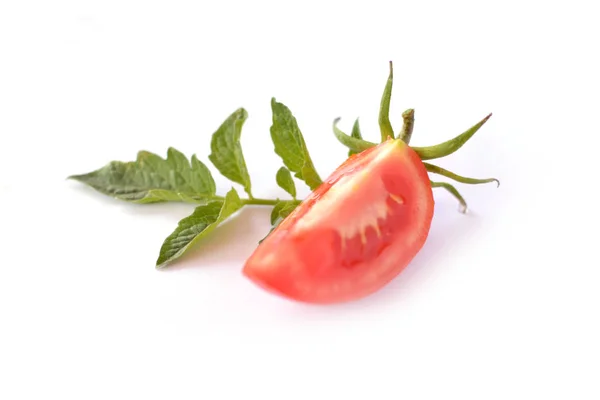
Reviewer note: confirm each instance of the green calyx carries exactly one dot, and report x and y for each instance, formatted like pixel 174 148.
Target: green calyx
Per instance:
pixel 385 126
pixel 356 144
pixel 471 181
pixel 449 146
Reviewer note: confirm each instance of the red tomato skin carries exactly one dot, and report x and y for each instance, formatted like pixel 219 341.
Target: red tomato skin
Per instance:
pixel 353 234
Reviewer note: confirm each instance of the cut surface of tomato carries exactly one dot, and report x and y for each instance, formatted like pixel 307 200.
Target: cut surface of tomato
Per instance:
pixel 354 233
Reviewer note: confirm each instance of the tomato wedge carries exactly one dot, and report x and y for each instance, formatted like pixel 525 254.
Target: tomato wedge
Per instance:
pixel 354 233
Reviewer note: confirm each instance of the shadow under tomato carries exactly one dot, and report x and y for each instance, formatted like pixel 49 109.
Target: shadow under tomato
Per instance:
pixel 231 243
pixel 448 229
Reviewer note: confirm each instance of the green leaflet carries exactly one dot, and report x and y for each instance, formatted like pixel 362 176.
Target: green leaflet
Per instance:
pixel 280 212
pixel 290 146
pixel 191 229
pixel 355 134
pixel 226 150
pixel 285 181
pixel 152 179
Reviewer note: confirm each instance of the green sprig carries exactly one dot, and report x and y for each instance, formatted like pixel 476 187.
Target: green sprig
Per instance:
pixel 151 178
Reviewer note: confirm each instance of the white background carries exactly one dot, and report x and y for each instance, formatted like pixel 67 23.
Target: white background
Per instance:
pixel 502 303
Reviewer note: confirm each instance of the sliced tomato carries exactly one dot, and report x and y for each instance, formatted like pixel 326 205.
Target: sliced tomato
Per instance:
pixel 354 233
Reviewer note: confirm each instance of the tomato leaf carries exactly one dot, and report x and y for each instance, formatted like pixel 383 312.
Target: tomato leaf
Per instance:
pixel 285 181
pixel 290 146
pixel 280 212
pixel 355 134
pixel 190 230
pixel 152 179
pixel 226 150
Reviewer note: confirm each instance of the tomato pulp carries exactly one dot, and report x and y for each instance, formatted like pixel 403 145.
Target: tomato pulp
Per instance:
pixel 354 233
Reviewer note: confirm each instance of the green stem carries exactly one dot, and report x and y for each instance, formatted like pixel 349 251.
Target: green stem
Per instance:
pixel 266 202
pixel 384 110
pixel 462 179
pixel 408 117
pixel 252 201
pixel 260 202
pixel 450 146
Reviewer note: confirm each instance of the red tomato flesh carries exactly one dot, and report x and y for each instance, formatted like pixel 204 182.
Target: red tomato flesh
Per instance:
pixel 354 233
